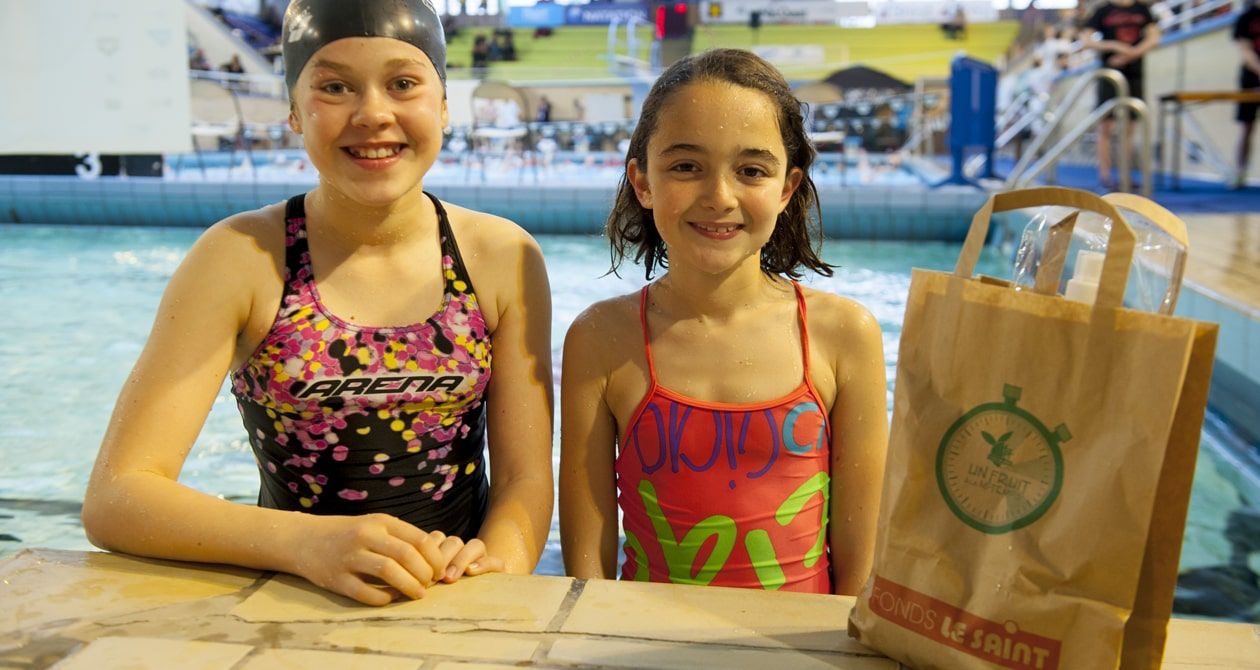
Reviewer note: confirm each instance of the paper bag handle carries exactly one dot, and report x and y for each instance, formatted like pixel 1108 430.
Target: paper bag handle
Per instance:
pixel 1120 241
pixel 1166 220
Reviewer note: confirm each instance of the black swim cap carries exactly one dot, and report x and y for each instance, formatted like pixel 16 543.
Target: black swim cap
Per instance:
pixel 310 24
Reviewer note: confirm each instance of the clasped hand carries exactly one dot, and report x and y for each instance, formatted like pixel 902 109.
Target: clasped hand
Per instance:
pixel 1121 57
pixel 377 558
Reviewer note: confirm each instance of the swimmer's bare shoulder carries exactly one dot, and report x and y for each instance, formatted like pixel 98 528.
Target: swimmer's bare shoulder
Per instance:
pixel 504 261
pixel 604 335
pixel 249 236
pixel 830 311
pixel 235 272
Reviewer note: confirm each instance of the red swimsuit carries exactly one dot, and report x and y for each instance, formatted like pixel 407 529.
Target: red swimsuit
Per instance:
pixel 727 494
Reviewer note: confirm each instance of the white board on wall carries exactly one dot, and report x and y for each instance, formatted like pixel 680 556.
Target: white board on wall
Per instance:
pixel 91 76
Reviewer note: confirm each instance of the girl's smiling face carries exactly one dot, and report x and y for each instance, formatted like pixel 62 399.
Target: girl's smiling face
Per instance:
pixel 371 111
pixel 717 176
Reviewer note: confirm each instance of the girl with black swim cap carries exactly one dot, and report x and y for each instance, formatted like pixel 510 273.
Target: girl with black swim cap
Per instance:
pixel 357 324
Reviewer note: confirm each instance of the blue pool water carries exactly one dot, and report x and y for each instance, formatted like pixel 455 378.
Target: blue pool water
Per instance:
pixel 80 300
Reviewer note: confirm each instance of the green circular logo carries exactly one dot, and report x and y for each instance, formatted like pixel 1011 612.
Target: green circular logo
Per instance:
pixel 998 467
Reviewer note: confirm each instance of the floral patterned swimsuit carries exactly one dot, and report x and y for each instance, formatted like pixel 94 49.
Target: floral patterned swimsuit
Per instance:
pixel 350 419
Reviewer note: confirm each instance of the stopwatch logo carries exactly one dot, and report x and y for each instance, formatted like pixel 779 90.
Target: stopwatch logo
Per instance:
pixel 998 467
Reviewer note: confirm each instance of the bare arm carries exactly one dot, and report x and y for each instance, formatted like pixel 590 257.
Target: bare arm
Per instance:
pixel 520 405
pixel 1090 41
pixel 1150 40
pixel 1249 58
pixel 588 432
pixel 859 441
pixel 134 502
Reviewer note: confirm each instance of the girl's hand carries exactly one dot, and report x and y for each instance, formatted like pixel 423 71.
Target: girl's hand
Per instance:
pixel 374 559
pixel 472 561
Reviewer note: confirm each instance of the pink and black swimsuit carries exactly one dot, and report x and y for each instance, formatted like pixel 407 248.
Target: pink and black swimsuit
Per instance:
pixel 350 419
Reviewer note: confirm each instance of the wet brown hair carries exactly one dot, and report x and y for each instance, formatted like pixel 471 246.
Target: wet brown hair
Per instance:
pixel 797 236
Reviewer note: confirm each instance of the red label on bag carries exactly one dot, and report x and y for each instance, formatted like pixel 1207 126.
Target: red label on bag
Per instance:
pixel 1001 644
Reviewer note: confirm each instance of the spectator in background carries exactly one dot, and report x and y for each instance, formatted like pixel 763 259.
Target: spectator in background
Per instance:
pixel 450 27
pixel 198 61
pixel 233 66
pixel 1054 47
pixel 480 52
pixel 544 110
pixel 509 45
pixel 1122 32
pixel 502 46
pixel 955 27
pixel 1247 36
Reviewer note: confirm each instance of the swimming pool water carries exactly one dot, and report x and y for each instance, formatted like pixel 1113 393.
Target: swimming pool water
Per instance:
pixel 80 300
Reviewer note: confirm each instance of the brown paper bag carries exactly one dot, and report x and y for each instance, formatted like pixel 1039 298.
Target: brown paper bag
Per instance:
pixel 1039 464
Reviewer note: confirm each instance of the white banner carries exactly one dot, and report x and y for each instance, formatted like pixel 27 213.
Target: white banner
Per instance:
pixel 779 11
pixel 791 54
pixel 89 76
pixel 932 11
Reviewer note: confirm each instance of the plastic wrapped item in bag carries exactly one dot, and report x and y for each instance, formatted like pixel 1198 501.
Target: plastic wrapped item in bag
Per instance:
pixel 1159 260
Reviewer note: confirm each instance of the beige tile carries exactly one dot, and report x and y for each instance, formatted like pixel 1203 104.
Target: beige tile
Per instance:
pixel 452 665
pixel 681 656
pixel 408 640
pixel 41 586
pixel 303 659
pixel 495 602
pixel 140 653
pixel 711 614
pixel 1211 644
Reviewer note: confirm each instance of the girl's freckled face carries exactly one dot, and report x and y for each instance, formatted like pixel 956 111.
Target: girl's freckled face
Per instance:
pixel 715 194
pixel 371 111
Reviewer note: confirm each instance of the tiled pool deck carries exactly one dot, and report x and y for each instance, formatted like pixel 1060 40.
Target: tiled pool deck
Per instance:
pixel 93 610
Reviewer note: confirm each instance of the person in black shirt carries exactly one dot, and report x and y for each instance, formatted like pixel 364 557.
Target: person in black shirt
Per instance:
pixel 1247 36
pixel 1122 32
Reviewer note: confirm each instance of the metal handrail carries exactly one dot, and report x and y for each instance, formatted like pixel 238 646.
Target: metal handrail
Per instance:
pixel 1012 130
pixel 1140 112
pixel 1013 107
pixel 1060 113
pixel 1182 14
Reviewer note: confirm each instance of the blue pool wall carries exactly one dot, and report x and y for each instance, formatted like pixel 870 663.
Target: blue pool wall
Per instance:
pixel 866 212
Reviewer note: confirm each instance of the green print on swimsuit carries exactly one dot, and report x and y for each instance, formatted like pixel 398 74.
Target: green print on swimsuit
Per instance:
pixel 680 557
pixel 998 467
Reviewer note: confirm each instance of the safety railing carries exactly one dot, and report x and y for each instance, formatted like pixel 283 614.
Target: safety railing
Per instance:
pixel 618 62
pixel 1178 15
pixel 1020 173
pixel 1020 115
pixel 263 85
pixel 1125 105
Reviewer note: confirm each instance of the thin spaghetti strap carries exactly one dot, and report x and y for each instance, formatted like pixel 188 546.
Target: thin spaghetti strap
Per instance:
pixel 800 309
pixel 647 340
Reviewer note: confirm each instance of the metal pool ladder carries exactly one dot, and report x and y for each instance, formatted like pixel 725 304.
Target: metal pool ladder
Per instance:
pixel 1026 170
